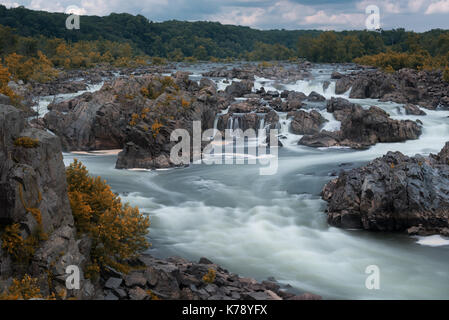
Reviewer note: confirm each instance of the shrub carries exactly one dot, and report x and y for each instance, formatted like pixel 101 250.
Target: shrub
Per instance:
pixel 4 80
pixel 209 277
pixel 153 92
pixel 156 128
pixel 446 74
pixel 184 103
pixel 26 142
pixel 24 289
pixel 20 250
pixel 118 231
pixel 158 61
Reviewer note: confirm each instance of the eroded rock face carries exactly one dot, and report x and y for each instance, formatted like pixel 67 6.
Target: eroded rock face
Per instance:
pixel 34 178
pixel 137 115
pixel 97 121
pixel 239 88
pixel 361 128
pixel 306 122
pixel 392 193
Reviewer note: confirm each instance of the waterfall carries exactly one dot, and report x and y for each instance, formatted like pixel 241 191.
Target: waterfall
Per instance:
pixel 230 123
pixel 262 123
pixel 217 117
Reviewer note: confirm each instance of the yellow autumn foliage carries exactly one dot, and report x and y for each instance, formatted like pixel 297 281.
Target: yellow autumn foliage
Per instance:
pixel 209 277
pixel 118 230
pixel 26 142
pixel 24 289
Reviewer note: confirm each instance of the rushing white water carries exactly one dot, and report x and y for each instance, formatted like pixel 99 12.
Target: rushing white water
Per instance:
pixel 43 102
pixel 263 226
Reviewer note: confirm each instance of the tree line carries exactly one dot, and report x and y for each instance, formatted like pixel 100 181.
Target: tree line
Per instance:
pixel 127 40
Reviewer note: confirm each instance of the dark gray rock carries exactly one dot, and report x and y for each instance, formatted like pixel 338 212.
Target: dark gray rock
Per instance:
pixel 392 193
pixel 240 88
pixel 315 97
pixel 113 283
pixel 306 122
pixel 411 109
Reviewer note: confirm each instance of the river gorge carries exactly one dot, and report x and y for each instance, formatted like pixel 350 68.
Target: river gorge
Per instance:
pixel 276 226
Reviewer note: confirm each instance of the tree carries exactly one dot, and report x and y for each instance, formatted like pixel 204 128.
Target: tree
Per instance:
pixel 118 231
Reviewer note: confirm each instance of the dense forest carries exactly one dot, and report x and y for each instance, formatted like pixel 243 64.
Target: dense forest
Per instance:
pixel 32 43
pixel 202 40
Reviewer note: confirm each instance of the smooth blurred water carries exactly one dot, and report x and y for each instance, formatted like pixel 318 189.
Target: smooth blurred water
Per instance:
pixel 262 226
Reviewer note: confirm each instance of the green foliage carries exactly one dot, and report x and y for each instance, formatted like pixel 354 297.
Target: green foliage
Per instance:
pixel 118 231
pixel 157 87
pixel 117 37
pixel 269 52
pixel 21 250
pixel 391 61
pixel 446 74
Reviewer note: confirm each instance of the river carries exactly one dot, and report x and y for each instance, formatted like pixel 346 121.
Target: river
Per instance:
pixel 275 226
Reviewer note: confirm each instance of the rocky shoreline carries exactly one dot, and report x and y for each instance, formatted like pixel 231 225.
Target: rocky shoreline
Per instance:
pixel 33 175
pixel 138 113
pixel 176 278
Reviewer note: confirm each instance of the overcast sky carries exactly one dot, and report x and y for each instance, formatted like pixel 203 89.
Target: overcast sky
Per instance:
pixel 418 15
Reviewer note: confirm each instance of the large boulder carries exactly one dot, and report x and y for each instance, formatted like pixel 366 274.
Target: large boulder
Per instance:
pixel 306 122
pixel 392 193
pixel 239 88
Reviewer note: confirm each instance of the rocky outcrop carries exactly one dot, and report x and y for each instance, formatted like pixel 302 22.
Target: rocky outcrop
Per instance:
pixel 424 88
pixel 315 97
pixel 393 193
pixel 96 121
pixel 285 72
pixel 33 192
pixel 147 138
pixel 137 115
pixel 176 278
pixel 239 88
pixel 306 122
pixel 411 109
pixel 361 128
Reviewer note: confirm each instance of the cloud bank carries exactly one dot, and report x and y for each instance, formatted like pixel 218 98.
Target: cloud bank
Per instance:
pixel 418 15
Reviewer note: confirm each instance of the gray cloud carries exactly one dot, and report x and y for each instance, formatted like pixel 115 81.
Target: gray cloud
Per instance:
pixel 419 15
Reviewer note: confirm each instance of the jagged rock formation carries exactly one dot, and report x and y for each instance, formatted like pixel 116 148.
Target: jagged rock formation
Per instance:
pixel 361 128
pixel 393 193
pixel 424 88
pixel 137 114
pixel 306 122
pixel 33 191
